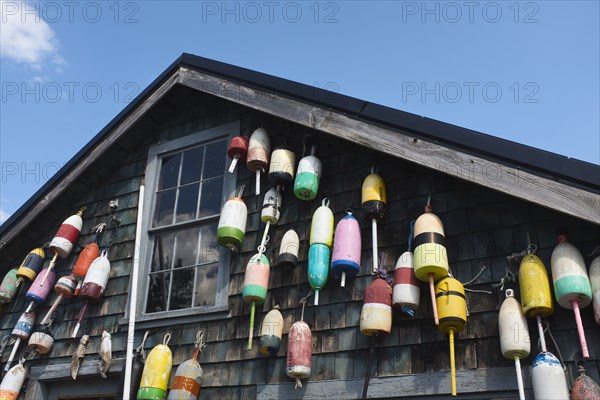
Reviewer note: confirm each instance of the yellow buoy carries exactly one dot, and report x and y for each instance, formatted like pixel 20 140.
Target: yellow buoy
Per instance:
pixel 536 298
pixel 157 370
pixel 452 312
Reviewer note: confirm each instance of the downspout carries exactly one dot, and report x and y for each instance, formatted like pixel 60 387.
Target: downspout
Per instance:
pixel 135 270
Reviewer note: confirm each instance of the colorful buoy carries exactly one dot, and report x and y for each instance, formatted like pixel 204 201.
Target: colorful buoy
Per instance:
pixel 318 268
pixel 571 283
pixel 38 292
pixel 548 378
pixel 374 199
pixel 299 353
pixel 452 311
pixel 584 387
pixel 430 258
pixel 306 185
pixel 407 290
pixel 282 166
pixel 376 313
pixel 259 149
pixel 237 151
pixel 31 265
pixel 256 283
pixel 9 287
pixel 65 288
pixel 232 223
pixel 12 383
pixel 188 376
pixel 271 332
pixel 21 332
pixel 288 249
pixel 157 371
pixel 347 248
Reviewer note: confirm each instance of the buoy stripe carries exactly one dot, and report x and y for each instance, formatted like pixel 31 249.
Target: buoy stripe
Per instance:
pixel 429 237
pixel 187 384
pixel 68 232
pixel 452 319
pixel 405 275
pixel 450 293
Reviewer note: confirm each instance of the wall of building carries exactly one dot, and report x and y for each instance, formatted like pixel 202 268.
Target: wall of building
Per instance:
pixel 482 228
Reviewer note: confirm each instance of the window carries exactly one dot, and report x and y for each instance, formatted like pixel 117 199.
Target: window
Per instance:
pixel 183 270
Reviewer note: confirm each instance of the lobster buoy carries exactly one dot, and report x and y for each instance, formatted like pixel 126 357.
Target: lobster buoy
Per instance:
pixel 430 258
pixel 595 282
pixel 31 265
pixel 281 168
pixel 8 288
pixel 13 383
pixel 188 376
pixel 374 199
pixel 548 378
pixel 321 228
pixel 38 292
pixel 347 248
pixel 271 332
pixel 299 353
pixel 85 259
pixel 232 223
pixel 318 267
pixel 237 151
pixel 21 332
pixel 256 283
pixel 271 210
pixel 288 250
pixel 93 285
pixel 376 314
pixel 259 149
pixel 452 310
pixel 65 289
pixel 306 185
pixel 157 371
pixel 584 387
pixel 514 335
pixel 41 341
pixel 571 283
pixel 407 291
pixel 64 240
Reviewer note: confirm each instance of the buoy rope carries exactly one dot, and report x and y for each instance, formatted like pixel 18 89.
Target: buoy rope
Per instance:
pixel 199 344
pixel 509 276
pixel 303 301
pixel 473 280
pixel 483 267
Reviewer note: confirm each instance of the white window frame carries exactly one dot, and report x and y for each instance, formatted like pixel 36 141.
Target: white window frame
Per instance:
pixel 221 308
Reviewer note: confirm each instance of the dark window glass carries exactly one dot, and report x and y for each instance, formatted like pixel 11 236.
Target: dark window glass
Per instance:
pixel 162 254
pixel 210 199
pixel 186 250
pixel 206 285
pixel 157 292
pixel 187 203
pixel 192 165
pixel 165 203
pixel 169 171
pixel 209 248
pixel 215 159
pixel 183 287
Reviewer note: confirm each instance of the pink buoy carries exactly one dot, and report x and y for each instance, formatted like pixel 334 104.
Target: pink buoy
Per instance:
pixel 347 248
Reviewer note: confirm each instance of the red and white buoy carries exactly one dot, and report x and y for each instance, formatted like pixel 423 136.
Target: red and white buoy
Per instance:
pixel 20 332
pixel 93 285
pixel 571 283
pixel 514 335
pixel 259 151
pixel 65 239
pixel 299 352
pixel 376 314
pixel 407 291
pixel 237 151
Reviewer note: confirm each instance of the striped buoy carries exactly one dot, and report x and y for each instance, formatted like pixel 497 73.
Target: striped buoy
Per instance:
pixel 157 371
pixel 376 313
pixel 256 284
pixel 452 311
pixel 188 376
pixel 407 290
pixel 282 166
pixel 374 203
pixel 347 248
pixel 259 149
pixel 65 289
pixel 299 349
pixel 306 185
pixel 31 265
pixel 12 383
pixel 288 249
pixel 321 239
pixel 21 332
pixel 232 222
pixel 571 284
pixel 271 332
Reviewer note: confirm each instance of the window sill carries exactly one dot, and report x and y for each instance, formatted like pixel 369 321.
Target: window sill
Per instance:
pixel 146 321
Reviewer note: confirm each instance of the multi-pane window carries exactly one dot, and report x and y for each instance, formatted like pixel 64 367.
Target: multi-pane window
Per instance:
pixel 187 185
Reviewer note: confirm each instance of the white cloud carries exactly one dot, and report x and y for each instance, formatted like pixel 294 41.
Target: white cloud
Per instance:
pixel 26 38
pixel 3 216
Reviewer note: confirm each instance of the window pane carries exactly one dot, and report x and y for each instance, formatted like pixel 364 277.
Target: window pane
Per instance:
pixel 169 171
pixel 214 164
pixel 165 203
pixel 186 250
pixel 192 165
pixel 157 292
pixel 187 203
pixel 162 255
pixel 181 292
pixel 209 249
pixel 206 285
pixel 210 200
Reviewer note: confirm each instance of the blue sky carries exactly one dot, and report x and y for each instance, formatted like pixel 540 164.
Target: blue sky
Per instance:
pixel 524 71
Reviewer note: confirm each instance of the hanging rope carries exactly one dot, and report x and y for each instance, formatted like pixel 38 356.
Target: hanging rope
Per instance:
pixel 473 280
pixel 140 348
pixel 509 277
pixel 199 344
pixel 303 301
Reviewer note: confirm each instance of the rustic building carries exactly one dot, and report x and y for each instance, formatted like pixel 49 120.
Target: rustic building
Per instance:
pixel 490 193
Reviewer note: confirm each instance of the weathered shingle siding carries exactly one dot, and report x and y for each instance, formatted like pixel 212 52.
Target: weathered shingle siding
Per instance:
pixel 482 228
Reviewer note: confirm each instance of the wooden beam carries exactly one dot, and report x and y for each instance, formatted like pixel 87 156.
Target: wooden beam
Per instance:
pixel 472 384
pixel 87 161
pixel 61 371
pixel 491 174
